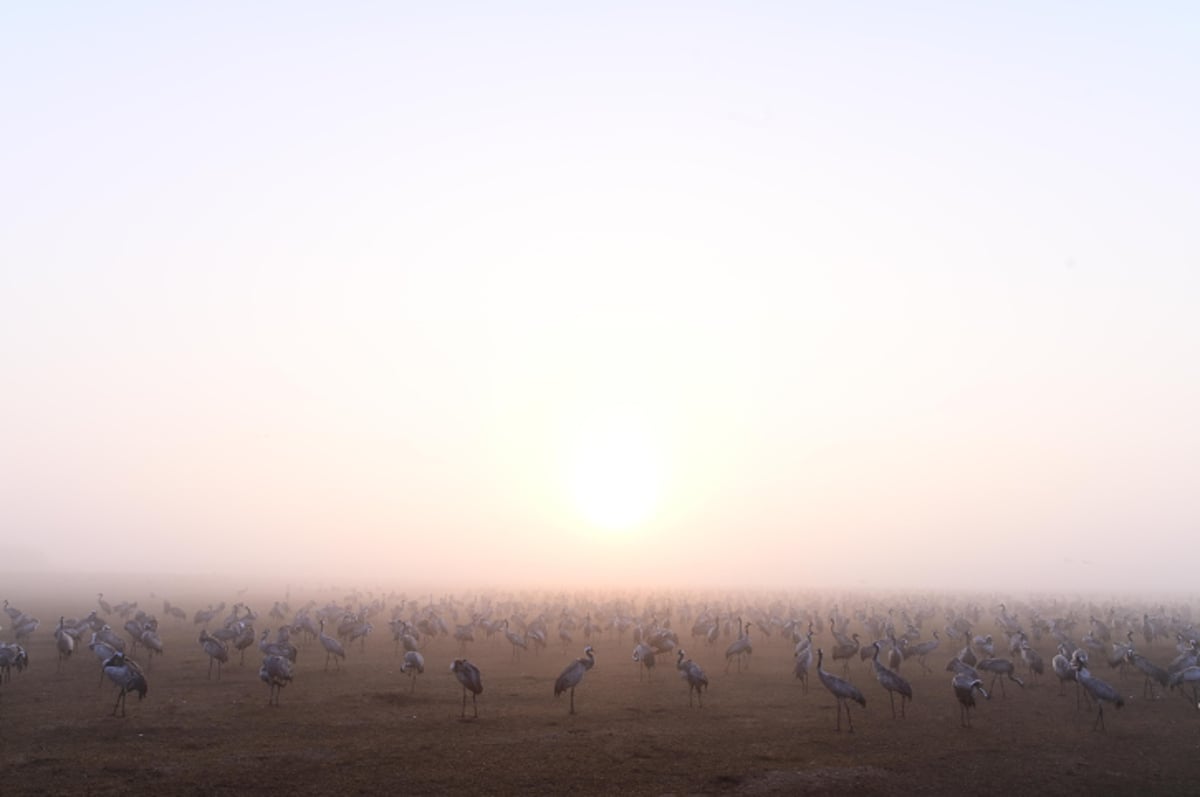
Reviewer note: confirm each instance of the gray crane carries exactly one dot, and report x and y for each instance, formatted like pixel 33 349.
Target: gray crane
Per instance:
pixel 276 673
pixel 216 650
pixel 1000 667
pixel 103 651
pixel 12 655
pixel 893 682
pixel 1154 674
pixel 277 648
pixel 333 648
pixel 414 665
pixel 1033 660
pixel 643 654
pixel 573 674
pixel 965 686
pixel 841 689
pixel 516 640
pixel 1100 691
pixel 127 675
pixel 1061 664
pixel 690 671
pixel 845 650
pixel 923 649
pixel 739 647
pixel 64 643
pixel 468 675
pixel 804 658
pixel 1191 676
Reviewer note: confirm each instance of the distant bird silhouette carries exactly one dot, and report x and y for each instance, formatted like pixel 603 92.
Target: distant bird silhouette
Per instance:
pixel 840 689
pixel 468 675
pixel 965 686
pixel 691 672
pixel 126 674
pixel 573 674
pixel 276 673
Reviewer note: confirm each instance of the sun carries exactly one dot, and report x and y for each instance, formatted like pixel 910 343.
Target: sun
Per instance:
pixel 614 476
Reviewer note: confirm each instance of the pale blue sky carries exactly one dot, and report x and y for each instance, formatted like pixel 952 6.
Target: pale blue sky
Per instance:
pixel 348 286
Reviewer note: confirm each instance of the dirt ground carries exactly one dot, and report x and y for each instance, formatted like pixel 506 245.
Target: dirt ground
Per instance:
pixel 359 730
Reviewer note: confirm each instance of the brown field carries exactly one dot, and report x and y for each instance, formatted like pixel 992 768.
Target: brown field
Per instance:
pixel 360 730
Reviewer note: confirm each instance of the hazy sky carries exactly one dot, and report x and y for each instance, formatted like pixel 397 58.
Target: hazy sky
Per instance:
pixel 782 294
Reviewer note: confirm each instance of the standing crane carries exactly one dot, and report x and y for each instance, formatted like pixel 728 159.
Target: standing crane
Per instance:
pixel 573 674
pixel 1188 676
pixel 893 682
pixel 1100 691
pixel 804 657
pixel 333 648
pixel 126 674
pixel 468 675
pixel 965 686
pixel 998 667
pixel 690 671
pixel 840 689
pixel 1154 673
pixel 845 650
pixel 923 649
pixel 1033 659
pixel 516 640
pixel 739 647
pixel 63 642
pixel 643 654
pixel 414 665
pixel 216 650
pixel 276 673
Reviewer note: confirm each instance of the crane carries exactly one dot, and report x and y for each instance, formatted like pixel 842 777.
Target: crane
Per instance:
pixel 841 689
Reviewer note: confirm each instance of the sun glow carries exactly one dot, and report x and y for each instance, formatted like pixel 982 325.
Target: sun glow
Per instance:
pixel 614 476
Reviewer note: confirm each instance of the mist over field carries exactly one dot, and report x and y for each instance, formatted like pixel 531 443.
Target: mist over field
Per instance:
pixel 649 297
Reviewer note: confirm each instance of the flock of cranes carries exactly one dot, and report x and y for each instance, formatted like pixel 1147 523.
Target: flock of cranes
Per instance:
pixel 977 662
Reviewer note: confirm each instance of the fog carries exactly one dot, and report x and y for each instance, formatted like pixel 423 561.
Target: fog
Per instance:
pixel 642 299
